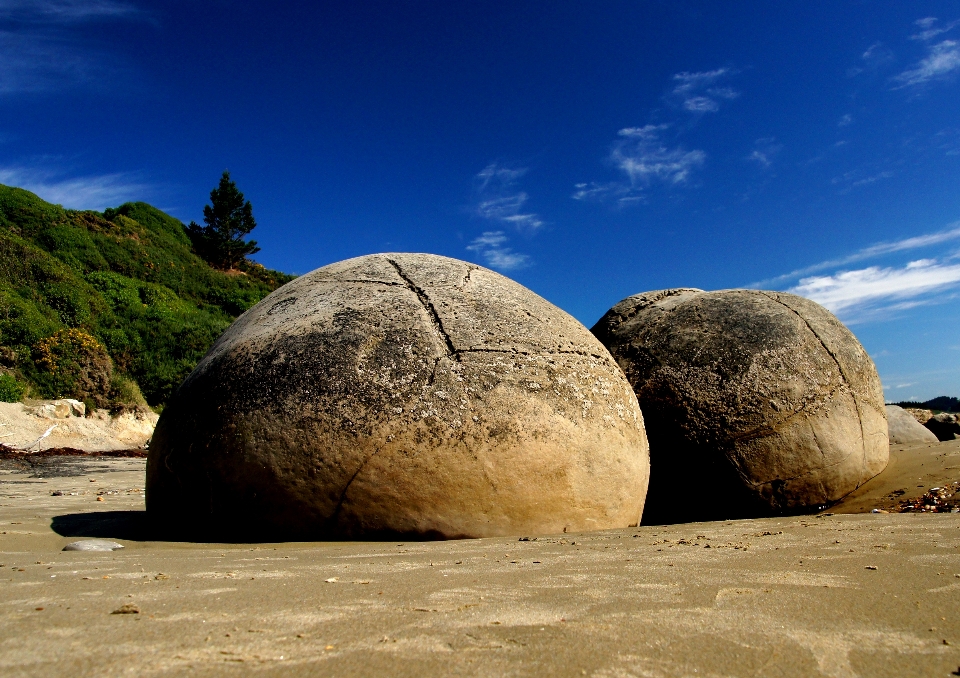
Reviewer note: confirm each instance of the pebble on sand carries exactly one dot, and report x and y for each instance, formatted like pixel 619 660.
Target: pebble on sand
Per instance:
pixel 128 608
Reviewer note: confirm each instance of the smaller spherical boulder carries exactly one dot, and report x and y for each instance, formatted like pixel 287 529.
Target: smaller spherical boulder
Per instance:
pixel 755 403
pixel 904 429
pixel 401 394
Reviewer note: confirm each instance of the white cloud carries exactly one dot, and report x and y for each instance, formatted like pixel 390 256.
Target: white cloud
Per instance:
pixel 942 59
pixel 694 91
pixel 501 201
pixel 853 290
pixel 872 179
pixel 929 29
pixel 602 191
pixel 491 245
pixel 90 192
pixel 642 156
pixel 848 180
pixel 498 176
pixel 845 120
pixel 873 58
pixel 876 250
pixel 63 10
pixel 764 151
pixel 701 105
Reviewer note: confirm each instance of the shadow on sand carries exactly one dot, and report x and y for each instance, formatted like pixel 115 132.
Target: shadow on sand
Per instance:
pixel 128 525
pixel 138 526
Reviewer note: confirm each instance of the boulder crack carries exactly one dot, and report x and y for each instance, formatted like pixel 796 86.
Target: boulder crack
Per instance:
pixel 343 493
pixel 517 351
pixel 429 307
pixel 853 392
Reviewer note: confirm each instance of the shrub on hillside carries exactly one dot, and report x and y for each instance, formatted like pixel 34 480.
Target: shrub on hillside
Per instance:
pixel 11 390
pixel 125 394
pixel 126 277
pixel 73 364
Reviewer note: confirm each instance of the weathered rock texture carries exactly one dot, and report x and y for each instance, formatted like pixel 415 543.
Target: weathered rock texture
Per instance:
pixel 402 394
pixel 762 402
pixel 904 429
pixel 922 416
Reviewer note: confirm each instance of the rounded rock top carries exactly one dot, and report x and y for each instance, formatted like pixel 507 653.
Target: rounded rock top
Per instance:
pixel 401 394
pixel 763 401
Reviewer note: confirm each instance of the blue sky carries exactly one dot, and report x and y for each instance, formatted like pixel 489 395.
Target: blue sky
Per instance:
pixel 588 150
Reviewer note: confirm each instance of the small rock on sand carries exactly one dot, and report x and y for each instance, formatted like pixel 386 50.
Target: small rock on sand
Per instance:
pixel 93 545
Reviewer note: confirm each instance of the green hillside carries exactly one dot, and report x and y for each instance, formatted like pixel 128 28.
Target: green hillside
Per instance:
pixel 94 305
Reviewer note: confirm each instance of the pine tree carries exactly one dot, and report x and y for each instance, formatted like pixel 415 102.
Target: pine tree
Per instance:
pixel 228 219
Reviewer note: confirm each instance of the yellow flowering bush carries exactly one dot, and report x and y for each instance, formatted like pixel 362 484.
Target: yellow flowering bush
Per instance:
pixel 73 364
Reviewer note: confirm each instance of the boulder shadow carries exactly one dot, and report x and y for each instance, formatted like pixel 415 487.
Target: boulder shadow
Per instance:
pixel 127 525
pixel 139 526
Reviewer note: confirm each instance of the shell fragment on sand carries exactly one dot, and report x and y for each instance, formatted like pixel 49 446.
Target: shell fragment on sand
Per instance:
pixel 93 545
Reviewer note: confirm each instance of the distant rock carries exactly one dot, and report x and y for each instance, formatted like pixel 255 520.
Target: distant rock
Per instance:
pixel 904 429
pixel 762 401
pixel 401 394
pixel 59 409
pixel 62 423
pixel 946 426
pixel 922 416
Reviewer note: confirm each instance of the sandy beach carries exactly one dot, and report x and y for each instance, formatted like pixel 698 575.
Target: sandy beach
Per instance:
pixel 840 594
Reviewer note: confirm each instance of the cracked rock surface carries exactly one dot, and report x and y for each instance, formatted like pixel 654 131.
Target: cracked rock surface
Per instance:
pixel 402 394
pixel 762 401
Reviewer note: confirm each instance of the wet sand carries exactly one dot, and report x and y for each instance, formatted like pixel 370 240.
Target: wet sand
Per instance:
pixel 836 594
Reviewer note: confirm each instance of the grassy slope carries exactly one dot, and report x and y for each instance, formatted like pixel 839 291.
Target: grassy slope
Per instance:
pixel 126 276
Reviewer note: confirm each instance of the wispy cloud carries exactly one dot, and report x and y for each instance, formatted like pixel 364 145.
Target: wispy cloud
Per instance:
pixel 855 179
pixel 41 50
pixel 764 151
pixel 871 252
pixel 64 10
pixel 858 290
pixel 644 158
pixel 845 120
pixel 699 92
pixel 492 246
pixel 500 200
pixel 95 192
pixel 929 29
pixel 942 59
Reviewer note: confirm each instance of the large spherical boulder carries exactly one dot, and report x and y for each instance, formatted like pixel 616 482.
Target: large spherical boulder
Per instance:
pixel 755 402
pixel 904 429
pixel 401 394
